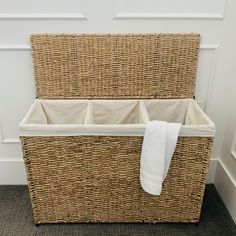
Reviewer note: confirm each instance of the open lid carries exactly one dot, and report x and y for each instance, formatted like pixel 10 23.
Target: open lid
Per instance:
pixel 115 65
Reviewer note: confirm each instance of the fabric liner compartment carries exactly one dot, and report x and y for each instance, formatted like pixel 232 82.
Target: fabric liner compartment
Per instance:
pixel 113 117
pixel 65 111
pixel 186 111
pixel 118 112
pixel 54 112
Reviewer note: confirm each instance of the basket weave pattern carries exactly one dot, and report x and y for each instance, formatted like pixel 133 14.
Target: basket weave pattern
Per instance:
pixel 96 179
pixel 115 66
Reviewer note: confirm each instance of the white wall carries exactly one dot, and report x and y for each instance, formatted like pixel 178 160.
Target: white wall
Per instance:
pixel 214 19
pixel 225 176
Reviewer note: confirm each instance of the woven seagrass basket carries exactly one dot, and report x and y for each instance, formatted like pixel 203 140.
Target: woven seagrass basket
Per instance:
pixel 95 178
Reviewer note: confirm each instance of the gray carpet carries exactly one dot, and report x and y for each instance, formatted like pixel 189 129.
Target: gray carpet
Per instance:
pixel 16 219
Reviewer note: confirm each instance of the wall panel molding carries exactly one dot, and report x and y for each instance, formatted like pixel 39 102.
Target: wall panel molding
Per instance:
pixel 10 141
pixel 10 47
pixel 214 48
pixel 128 16
pixel 14 47
pixel 37 16
pixel 209 46
pixel 119 15
pixel 54 9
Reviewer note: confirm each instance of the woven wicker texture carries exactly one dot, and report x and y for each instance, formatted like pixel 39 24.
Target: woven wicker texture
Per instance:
pixel 96 178
pixel 115 66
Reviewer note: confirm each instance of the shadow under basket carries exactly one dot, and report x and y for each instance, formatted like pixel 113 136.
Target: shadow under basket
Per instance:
pixel 82 149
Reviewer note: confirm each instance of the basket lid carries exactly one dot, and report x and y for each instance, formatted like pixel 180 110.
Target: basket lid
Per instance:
pixel 115 65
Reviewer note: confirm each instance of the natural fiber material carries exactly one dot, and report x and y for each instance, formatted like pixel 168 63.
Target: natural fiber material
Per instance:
pixel 115 66
pixel 91 178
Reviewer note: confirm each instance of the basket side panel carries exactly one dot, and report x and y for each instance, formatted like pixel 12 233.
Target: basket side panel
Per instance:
pixel 115 66
pixel 89 178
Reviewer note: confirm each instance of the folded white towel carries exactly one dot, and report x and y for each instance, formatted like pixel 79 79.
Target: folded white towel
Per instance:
pixel 159 143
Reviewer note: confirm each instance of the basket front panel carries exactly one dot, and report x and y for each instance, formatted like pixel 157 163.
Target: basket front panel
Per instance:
pixel 89 178
pixel 115 66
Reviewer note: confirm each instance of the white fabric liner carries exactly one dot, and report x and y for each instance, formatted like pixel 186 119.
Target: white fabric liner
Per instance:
pixel 112 117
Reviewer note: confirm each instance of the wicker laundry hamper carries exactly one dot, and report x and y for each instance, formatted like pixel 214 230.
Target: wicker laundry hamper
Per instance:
pixel 83 166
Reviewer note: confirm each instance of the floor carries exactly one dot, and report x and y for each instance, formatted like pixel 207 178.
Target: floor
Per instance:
pixel 16 220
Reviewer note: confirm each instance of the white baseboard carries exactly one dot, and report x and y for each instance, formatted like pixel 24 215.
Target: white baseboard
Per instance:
pixel 226 187
pixel 13 172
pixel 211 171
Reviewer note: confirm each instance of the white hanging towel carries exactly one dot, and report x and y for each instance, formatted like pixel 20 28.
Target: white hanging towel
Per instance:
pixel 159 144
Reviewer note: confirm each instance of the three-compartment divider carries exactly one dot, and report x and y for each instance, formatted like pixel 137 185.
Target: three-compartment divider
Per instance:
pixel 113 117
